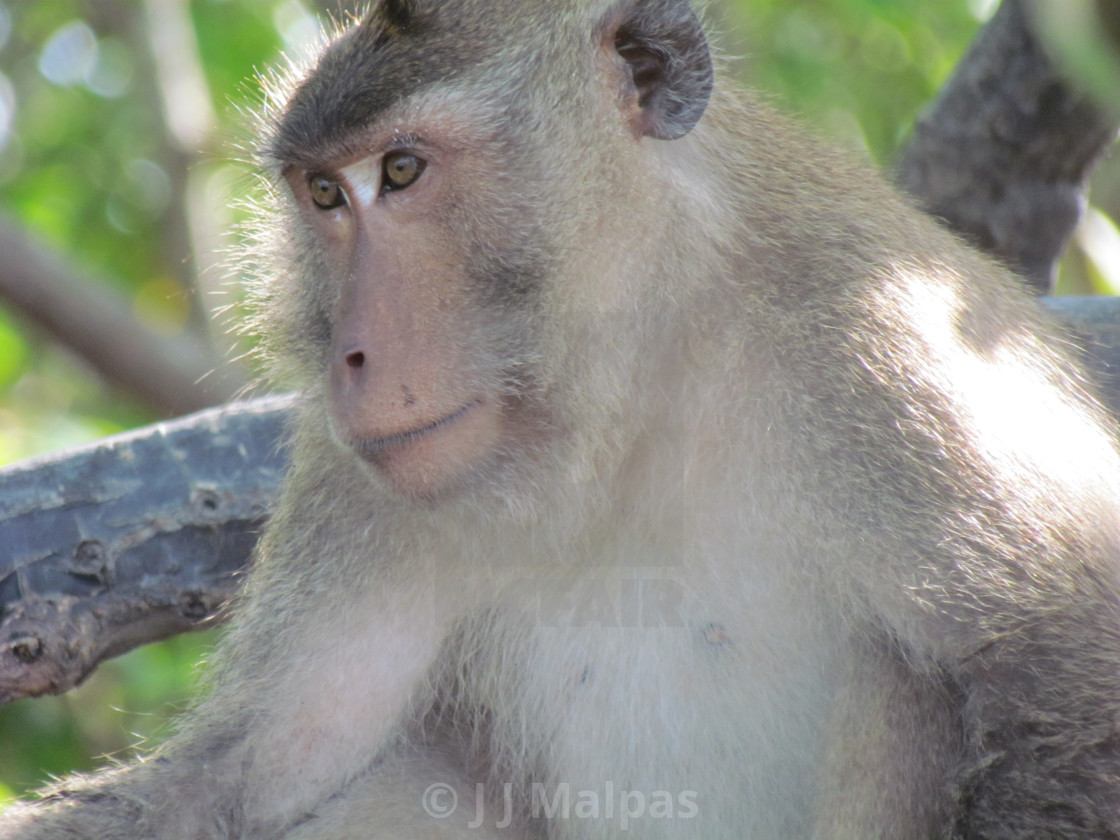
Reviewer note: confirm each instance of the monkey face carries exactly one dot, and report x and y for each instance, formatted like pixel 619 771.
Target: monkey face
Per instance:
pixel 428 205
pixel 417 371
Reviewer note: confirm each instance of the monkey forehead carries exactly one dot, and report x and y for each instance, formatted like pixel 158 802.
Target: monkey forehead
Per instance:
pixel 399 49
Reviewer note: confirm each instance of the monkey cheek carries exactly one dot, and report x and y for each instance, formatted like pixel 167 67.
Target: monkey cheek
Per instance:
pixel 434 463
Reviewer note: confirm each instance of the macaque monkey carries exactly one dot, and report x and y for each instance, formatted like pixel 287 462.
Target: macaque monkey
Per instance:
pixel 659 474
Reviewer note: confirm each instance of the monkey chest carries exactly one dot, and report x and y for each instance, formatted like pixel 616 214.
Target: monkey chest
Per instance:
pixel 695 705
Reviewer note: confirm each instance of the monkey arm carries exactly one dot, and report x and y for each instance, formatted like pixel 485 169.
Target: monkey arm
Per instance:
pixel 976 503
pixel 297 707
pixel 315 726
pixel 326 699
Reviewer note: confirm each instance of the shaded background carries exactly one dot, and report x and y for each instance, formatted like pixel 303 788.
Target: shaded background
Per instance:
pixel 120 124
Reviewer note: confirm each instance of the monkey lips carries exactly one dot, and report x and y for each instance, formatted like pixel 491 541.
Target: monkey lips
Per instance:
pixel 427 458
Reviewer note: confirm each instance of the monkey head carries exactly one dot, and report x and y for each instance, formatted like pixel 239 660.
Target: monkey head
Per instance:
pixel 425 195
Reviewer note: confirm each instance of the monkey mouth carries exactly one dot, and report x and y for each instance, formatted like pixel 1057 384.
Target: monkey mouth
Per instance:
pixel 371 447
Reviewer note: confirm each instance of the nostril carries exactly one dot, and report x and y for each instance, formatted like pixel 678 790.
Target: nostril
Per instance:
pixel 356 359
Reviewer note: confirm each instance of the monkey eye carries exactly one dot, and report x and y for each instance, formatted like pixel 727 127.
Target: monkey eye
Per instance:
pixel 326 192
pixel 401 169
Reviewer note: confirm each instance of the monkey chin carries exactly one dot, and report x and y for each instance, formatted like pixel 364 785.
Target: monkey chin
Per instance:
pixel 432 460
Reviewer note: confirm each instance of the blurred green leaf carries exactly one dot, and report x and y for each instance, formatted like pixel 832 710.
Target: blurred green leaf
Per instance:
pixel 1079 36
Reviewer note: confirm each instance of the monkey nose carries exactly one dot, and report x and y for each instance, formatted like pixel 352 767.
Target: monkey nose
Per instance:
pixel 349 372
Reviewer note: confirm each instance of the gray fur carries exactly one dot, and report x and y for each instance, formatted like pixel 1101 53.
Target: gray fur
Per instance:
pixel 803 522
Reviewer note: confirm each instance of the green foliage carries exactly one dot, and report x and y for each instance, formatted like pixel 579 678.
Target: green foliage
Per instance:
pixel 856 69
pixel 1085 34
pixel 125 704
pixel 86 163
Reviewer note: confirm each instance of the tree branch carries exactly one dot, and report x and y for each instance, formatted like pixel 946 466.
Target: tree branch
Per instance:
pixel 1003 154
pixel 172 376
pixel 130 540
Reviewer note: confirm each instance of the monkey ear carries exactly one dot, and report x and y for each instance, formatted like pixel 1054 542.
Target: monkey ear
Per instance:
pixel 663 45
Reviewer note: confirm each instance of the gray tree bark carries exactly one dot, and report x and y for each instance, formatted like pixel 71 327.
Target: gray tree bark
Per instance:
pixel 1004 153
pixel 130 540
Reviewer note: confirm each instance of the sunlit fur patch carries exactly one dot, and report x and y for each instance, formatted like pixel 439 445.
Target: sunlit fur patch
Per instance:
pixel 1005 388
